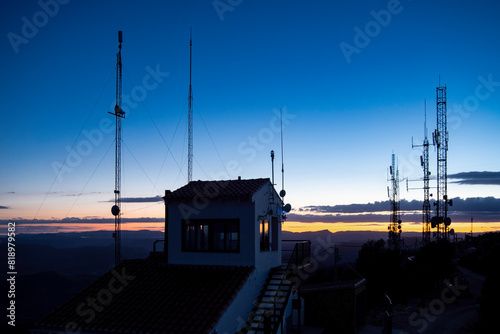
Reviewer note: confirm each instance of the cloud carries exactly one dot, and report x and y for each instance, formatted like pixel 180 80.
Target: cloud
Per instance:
pixel 4 207
pixel 488 178
pixel 140 199
pixel 483 209
pixel 75 220
pixel 490 204
pixel 360 208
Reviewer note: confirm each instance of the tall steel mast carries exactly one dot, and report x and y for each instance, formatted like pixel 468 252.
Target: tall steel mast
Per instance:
pixel 393 193
pixel 190 115
pixel 441 220
pixel 424 162
pixel 119 114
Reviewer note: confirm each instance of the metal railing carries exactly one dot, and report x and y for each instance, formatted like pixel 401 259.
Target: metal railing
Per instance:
pixel 299 256
pixel 158 241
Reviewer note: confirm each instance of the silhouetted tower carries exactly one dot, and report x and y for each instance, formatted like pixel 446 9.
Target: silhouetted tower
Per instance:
pixel 190 115
pixel 441 221
pixel 393 193
pixel 426 207
pixel 119 114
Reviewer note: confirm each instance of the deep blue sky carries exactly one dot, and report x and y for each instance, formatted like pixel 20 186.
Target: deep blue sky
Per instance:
pixel 349 115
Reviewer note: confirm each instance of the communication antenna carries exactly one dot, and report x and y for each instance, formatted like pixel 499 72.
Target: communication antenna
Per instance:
pixel 424 162
pixel 286 207
pixel 119 114
pixel 441 221
pixel 282 192
pixel 393 193
pixel 272 167
pixel 190 113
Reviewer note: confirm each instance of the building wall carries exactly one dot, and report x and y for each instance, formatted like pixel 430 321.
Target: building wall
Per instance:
pixel 236 315
pixel 248 211
pixel 214 209
pixel 262 199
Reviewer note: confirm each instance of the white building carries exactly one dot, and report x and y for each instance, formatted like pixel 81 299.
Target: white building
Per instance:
pixel 220 271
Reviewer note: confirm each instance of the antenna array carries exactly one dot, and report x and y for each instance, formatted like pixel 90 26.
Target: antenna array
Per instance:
pixel 190 115
pixel 440 137
pixel 424 162
pixel 119 114
pixel 393 193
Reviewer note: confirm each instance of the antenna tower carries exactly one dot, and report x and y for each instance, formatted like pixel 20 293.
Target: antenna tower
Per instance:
pixel 190 114
pixel 395 222
pixel 424 162
pixel 119 114
pixel 441 221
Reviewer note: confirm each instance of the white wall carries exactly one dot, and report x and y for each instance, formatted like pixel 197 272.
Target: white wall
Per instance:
pixel 232 209
pixel 262 198
pixel 236 315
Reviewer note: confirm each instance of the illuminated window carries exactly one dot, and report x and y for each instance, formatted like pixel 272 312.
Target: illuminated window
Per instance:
pixel 264 235
pixel 211 235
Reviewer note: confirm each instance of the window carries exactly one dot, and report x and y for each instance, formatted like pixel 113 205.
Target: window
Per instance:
pixel 275 225
pixel 264 235
pixel 211 235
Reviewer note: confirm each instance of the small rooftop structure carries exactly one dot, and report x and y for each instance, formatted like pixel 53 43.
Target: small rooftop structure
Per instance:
pixel 234 222
pixel 220 271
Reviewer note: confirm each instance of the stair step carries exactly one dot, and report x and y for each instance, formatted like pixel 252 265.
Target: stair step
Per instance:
pixel 283 287
pixel 271 293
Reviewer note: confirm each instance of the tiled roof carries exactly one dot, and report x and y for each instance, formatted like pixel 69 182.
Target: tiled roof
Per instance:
pixel 150 296
pixel 218 189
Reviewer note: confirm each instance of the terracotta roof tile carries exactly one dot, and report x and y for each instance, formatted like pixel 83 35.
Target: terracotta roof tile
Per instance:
pixel 218 189
pixel 150 296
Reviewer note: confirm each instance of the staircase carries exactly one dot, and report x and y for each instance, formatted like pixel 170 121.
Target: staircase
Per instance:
pixel 267 315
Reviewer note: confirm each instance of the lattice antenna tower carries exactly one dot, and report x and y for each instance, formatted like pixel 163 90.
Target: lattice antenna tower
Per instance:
pixel 393 193
pixel 440 137
pixel 424 162
pixel 190 113
pixel 119 114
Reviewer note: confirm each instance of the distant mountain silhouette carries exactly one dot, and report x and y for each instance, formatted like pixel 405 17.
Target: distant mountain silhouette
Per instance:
pixel 39 294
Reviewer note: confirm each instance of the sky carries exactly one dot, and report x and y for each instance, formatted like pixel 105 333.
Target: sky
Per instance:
pixel 350 79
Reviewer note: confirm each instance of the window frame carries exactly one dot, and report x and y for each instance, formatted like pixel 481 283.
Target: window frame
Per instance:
pixel 230 226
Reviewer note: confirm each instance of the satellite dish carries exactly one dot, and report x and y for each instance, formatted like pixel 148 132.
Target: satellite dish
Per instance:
pixel 282 193
pixel 452 232
pixel 115 210
pixel 287 208
pixel 447 221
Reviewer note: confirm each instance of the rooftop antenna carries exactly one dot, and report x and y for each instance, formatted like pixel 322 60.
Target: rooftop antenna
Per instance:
pixel 119 114
pixel 190 113
pixel 272 166
pixel 282 192
pixel 287 207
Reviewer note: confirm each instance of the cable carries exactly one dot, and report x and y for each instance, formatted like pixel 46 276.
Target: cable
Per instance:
pixel 213 143
pixel 72 146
